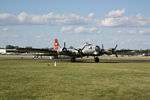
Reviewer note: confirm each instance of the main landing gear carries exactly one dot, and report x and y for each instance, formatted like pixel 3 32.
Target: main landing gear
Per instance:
pixel 96 59
pixel 73 59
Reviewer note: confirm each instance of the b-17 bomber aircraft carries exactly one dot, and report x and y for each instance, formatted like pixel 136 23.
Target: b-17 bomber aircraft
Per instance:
pixel 86 50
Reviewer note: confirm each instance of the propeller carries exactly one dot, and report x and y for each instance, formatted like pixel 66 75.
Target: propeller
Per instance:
pixel 64 48
pixel 114 51
pixel 64 44
pixel 80 51
pixel 115 47
pixel 102 48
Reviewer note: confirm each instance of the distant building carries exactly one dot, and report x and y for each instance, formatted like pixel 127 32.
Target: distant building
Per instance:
pixel 9 51
pixel 2 51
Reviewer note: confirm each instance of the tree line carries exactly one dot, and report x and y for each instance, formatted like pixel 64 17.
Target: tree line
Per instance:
pixel 30 47
pixel 133 52
pixel 121 52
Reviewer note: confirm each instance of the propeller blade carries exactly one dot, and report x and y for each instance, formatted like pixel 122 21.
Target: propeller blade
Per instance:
pixel 64 44
pixel 83 48
pixel 102 46
pixel 115 54
pixel 64 48
pixel 114 51
pixel 103 50
pixel 115 47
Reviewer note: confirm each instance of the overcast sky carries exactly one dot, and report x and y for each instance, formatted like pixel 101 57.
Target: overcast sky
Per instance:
pixel 37 22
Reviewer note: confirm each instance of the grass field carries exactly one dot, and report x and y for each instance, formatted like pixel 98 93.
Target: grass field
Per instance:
pixel 40 80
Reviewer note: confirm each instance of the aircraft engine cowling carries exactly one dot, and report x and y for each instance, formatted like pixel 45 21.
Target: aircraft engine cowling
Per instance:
pixel 96 53
pixel 112 51
pixel 97 48
pixel 64 49
pixel 79 51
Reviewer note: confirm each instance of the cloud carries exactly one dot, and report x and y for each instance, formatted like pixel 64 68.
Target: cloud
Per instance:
pixel 38 36
pixel 87 30
pixel 67 29
pixel 8 36
pixel 132 43
pixel 144 31
pixel 91 15
pixel 137 41
pixel 114 22
pixel 88 40
pixel 5 29
pixel 45 19
pixel 80 30
pixel 115 19
pixel 116 13
pixel 126 31
pixel 8 19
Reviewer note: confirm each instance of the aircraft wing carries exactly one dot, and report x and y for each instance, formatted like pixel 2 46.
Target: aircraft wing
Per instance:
pixel 69 53
pixel 120 51
pixel 45 51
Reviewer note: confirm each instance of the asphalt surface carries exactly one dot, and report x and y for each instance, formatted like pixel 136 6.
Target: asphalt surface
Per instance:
pixel 87 60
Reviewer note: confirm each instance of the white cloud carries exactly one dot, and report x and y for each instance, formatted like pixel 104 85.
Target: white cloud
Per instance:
pixel 134 21
pixel 136 42
pixel 48 19
pixel 8 19
pixel 112 22
pixel 88 40
pixel 126 32
pixel 8 36
pixel 38 36
pixel 5 29
pixel 91 15
pixel 116 13
pixel 87 30
pixel 14 36
pixel 80 30
pixel 67 29
pixel 144 31
pixel 115 19
pixel 132 43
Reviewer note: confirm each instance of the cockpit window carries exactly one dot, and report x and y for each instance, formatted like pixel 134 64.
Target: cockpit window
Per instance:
pixel 87 44
pixel 90 47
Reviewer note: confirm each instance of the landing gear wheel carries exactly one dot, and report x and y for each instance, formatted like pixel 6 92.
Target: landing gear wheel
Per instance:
pixel 96 59
pixel 73 59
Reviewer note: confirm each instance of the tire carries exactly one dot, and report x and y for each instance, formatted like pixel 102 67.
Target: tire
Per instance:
pixel 96 59
pixel 73 59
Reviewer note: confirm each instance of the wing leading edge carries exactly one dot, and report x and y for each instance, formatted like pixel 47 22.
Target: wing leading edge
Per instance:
pixel 45 51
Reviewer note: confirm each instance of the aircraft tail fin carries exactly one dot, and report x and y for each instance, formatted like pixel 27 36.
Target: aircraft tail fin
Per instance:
pixel 56 44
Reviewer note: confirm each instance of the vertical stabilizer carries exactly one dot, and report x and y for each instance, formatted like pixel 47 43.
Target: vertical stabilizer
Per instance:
pixel 56 44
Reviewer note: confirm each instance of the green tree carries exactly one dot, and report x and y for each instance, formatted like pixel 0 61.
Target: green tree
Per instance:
pixel 46 48
pixel 71 47
pixel 11 47
pixel 29 47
